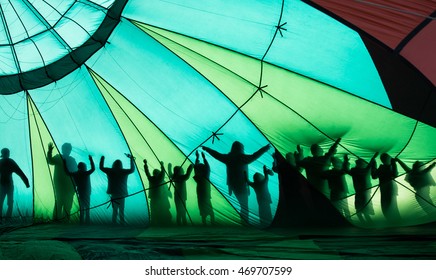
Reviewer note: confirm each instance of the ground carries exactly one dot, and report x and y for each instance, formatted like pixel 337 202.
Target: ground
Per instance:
pixel 104 242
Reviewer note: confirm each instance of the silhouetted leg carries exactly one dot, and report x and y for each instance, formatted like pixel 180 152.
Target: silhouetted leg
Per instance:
pixel 368 218
pixel 82 211
pixel 384 204
pixel 422 196
pixel 184 220
pixel 68 205
pixel 180 209
pixel 243 202
pixel 58 209
pixel 265 214
pixel 10 202
pixel 211 213
pixel 114 214
pixel 212 217
pixel 361 217
pixel 122 202
pixel 87 216
pixel 85 205
pixel 115 204
pixel 2 199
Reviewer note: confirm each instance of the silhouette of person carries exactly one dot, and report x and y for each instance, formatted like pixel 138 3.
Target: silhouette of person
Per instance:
pixel 361 176
pixel 236 162
pixel 201 177
pixel 159 195
pixel 292 159
pixel 63 185
pixel 117 186
pixel 316 164
pixel 386 174
pixel 294 193
pixel 7 167
pixel 82 181
pixel 338 185
pixel 421 181
pixel 263 196
pixel 179 179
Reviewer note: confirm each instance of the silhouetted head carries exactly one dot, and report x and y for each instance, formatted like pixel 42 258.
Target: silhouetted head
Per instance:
pixel 290 158
pixel 5 153
pixel 237 148
pixel 178 170
pixel 117 164
pixel 257 177
pixel 360 163
pixel 200 169
pixel 156 172
pixel 316 150
pixel 66 149
pixel 81 166
pixel 336 162
pixel 416 165
pixel 385 158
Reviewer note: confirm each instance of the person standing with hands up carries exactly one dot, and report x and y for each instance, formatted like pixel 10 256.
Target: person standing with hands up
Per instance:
pixel 117 186
pixel 237 162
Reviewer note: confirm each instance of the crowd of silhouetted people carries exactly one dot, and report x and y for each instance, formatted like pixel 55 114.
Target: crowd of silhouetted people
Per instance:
pixel 71 178
pixel 325 171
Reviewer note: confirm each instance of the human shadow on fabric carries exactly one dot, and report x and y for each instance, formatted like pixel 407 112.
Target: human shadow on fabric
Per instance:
pixel 8 167
pixel 117 186
pixel 62 183
pixel 419 177
pixel 178 179
pixel 263 196
pixel 386 174
pixel 203 188
pixel 82 180
pixel 361 178
pixel 237 162
pixel 338 185
pixel 300 204
pixel 158 194
pixel 316 164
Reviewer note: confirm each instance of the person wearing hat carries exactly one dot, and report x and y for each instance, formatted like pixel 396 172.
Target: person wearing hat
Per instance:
pixel 7 167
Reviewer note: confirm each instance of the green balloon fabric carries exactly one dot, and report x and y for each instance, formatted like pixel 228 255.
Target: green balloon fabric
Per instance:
pixel 167 81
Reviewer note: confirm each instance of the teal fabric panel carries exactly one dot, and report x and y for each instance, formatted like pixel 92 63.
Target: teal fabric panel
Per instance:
pixel 75 112
pixel 321 48
pixel 52 13
pixel 7 65
pixel 14 135
pixel 22 19
pixel 39 33
pixel 79 23
pixel 313 44
pixel 180 101
pixel 238 26
pixel 41 51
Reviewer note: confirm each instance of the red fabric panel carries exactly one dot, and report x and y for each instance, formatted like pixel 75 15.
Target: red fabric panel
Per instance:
pixel 421 51
pixel 390 21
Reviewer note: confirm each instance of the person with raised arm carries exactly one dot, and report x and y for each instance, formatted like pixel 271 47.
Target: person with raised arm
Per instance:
pixel 117 186
pixel 237 162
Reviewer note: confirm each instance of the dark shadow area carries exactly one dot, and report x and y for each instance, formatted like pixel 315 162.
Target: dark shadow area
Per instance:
pixel 300 203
